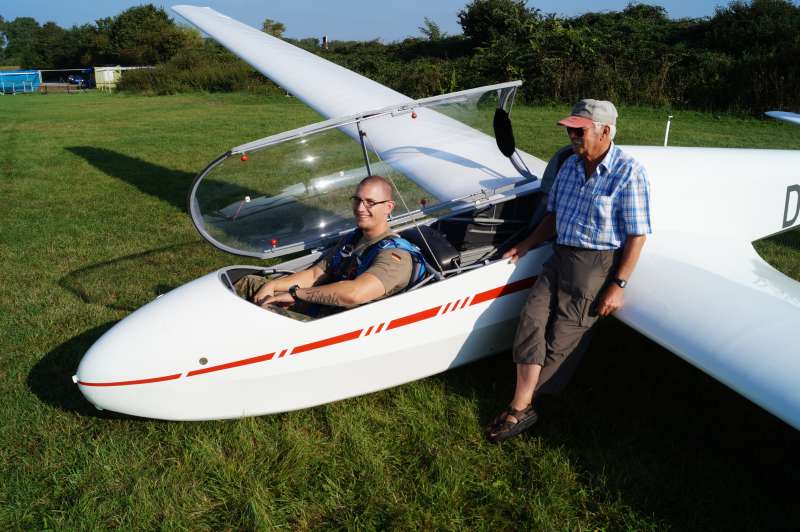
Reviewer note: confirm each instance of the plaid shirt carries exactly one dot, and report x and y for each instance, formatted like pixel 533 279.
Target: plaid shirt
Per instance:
pixel 600 212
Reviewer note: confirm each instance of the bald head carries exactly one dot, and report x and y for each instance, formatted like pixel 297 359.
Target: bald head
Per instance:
pixel 377 183
pixel 372 205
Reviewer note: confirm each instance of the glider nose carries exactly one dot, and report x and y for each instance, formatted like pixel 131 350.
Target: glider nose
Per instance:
pixel 149 363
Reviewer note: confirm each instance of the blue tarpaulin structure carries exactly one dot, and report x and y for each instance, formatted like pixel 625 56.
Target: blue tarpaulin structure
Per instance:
pixel 12 81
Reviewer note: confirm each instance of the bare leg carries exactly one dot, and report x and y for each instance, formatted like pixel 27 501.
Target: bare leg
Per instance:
pixel 527 378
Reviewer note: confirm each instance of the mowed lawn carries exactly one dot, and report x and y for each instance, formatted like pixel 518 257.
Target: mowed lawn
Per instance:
pixel 93 224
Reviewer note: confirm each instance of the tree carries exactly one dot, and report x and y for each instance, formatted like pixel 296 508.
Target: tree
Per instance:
pixel 50 46
pixel 143 35
pixel 2 39
pixel 486 21
pixel 20 35
pixel 431 30
pixel 273 27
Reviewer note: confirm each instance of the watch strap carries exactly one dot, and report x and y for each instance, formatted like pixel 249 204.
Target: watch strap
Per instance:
pixel 293 292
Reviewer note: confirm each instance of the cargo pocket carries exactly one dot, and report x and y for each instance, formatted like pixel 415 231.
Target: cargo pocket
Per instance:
pixel 573 305
pixel 588 313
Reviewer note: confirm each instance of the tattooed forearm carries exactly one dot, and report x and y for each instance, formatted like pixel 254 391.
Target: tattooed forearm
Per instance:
pixel 322 295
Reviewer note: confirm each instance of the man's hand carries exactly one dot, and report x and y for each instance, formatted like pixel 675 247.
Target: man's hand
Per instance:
pixel 283 299
pixel 544 231
pixel 517 252
pixel 611 300
pixel 266 291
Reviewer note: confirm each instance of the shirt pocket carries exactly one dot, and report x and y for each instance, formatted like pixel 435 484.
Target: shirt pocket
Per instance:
pixel 600 210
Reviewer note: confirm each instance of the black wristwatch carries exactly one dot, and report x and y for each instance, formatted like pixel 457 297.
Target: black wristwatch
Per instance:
pixel 293 291
pixel 622 283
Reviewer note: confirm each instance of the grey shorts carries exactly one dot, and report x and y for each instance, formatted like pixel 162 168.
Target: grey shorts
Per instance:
pixel 560 309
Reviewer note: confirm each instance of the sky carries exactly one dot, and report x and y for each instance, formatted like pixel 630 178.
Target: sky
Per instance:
pixel 339 19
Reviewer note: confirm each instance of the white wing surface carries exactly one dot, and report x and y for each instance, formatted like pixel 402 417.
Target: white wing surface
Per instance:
pixel 719 306
pixel 456 164
pixel 792 118
pixel 701 290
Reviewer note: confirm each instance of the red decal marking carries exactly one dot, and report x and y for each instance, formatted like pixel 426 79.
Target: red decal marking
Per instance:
pixel 455 305
pixel 128 383
pixel 380 328
pixel 282 353
pixel 369 331
pixel 327 341
pixel 504 290
pixel 464 304
pixel 234 364
pixel 413 318
pixel 445 308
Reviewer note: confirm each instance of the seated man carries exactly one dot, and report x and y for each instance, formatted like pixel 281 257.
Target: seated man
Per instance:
pixel 368 264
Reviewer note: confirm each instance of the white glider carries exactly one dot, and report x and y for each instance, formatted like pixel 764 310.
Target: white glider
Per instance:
pixel 201 352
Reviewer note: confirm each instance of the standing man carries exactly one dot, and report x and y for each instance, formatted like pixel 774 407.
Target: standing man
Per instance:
pixel 599 210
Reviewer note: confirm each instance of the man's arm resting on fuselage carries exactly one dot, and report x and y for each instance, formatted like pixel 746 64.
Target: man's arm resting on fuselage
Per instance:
pixel 544 231
pixel 303 279
pixel 364 288
pixel 612 298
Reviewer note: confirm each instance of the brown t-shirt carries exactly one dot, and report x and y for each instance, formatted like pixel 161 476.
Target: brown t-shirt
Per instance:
pixel 391 266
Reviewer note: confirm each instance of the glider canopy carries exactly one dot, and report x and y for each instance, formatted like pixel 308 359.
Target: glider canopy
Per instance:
pixel 291 191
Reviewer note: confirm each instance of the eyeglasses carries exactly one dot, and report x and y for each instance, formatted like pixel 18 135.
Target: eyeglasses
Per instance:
pixel 368 203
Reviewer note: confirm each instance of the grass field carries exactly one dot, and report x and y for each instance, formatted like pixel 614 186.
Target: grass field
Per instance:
pixel 93 224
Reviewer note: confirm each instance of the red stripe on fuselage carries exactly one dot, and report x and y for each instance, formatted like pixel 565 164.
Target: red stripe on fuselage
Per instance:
pixel 504 290
pixel 235 364
pixel 413 318
pixel 128 383
pixel 327 341
pixel 481 297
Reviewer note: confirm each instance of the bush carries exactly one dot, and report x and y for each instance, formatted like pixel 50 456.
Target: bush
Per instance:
pixel 204 69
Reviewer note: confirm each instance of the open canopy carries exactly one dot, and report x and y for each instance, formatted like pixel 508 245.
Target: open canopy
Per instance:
pixel 291 191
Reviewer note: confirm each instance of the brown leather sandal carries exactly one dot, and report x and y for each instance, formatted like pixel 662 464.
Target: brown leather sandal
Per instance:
pixel 503 428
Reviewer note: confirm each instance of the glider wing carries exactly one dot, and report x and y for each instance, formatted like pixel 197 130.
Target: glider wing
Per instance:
pixel 334 91
pixel 719 306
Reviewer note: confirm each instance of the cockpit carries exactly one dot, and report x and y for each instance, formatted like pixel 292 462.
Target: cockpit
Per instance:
pixel 463 192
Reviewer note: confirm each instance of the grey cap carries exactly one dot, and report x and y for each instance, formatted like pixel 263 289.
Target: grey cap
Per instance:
pixel 588 110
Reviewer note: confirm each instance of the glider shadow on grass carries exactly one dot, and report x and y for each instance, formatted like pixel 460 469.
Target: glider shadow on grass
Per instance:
pixel 51 378
pixel 281 216
pixel 152 179
pixel 129 282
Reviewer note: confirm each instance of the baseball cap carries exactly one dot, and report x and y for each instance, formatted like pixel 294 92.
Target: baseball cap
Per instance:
pixel 587 111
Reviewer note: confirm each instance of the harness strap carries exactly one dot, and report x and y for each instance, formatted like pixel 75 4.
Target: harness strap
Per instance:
pixel 346 266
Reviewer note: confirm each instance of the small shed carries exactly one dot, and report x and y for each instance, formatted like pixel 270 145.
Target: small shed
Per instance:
pixel 106 78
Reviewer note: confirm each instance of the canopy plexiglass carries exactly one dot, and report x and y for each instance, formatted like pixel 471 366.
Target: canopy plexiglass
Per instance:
pixel 292 191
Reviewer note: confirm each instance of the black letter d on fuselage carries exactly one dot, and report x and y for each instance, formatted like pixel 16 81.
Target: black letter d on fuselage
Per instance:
pixel 786 221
